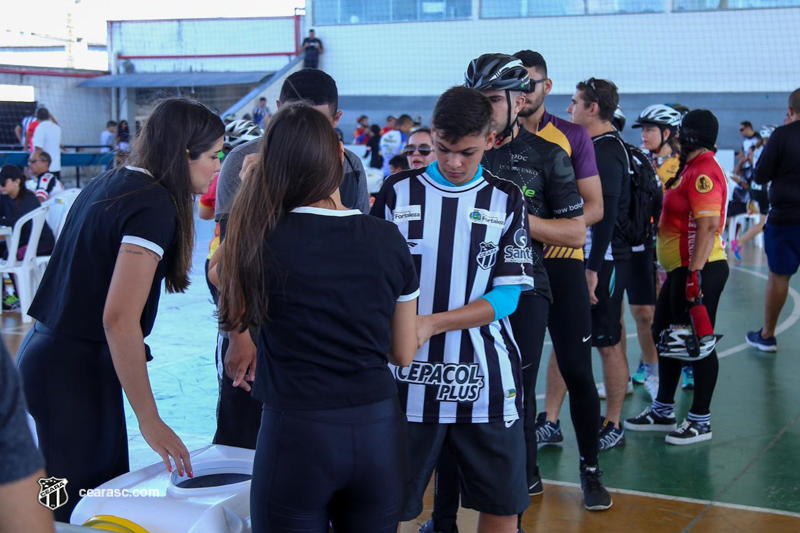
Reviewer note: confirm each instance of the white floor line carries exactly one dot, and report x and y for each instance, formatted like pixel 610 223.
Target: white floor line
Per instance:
pixel 790 321
pixel 680 499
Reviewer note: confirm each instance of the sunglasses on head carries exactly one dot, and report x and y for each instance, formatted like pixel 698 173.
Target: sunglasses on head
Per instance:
pixel 423 149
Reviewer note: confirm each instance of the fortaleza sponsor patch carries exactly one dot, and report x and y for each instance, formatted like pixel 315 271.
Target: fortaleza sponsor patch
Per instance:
pixel 407 213
pixel 456 382
pixel 487 218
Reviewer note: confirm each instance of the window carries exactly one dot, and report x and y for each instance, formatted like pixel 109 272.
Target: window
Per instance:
pixel 372 11
pixel 555 8
pixel 709 5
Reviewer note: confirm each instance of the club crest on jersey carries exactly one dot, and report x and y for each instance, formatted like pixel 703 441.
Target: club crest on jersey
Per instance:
pixel 455 382
pixel 53 492
pixel 703 184
pixel 487 256
pixel 407 213
pixel 487 218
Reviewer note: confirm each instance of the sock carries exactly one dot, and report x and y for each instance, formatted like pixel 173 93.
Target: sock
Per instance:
pixel 665 410
pixel 700 419
pixel 651 370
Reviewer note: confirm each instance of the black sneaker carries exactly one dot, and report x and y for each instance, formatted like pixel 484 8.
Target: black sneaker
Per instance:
pixel 546 431
pixel 428 528
pixel 689 432
pixel 595 495
pixel 650 421
pixel 610 436
pixel 535 487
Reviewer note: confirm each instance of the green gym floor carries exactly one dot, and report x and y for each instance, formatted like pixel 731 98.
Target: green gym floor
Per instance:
pixel 746 479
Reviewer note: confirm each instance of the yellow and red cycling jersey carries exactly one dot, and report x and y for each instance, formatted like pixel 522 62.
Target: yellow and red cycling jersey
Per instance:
pixel 702 191
pixel 666 168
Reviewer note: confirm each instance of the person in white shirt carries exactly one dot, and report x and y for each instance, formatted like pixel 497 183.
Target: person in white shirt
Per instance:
pixel 108 136
pixel 393 142
pixel 47 185
pixel 47 138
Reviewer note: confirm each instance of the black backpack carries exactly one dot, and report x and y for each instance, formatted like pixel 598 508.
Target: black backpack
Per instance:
pixel 646 195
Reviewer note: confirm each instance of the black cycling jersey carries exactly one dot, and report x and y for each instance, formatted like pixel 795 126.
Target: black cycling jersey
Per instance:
pixel 544 173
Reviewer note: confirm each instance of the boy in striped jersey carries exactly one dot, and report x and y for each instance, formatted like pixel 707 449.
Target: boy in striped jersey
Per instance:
pixel 468 234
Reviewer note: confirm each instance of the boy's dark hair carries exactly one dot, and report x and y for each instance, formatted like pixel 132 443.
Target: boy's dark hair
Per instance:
pixel 312 86
pixel 461 112
pixel 794 100
pixel 375 129
pixel 42 114
pixel 601 92
pixel 405 119
pixel 532 59
pixel 746 124
pixel 262 99
pixel 399 161
pixel 111 123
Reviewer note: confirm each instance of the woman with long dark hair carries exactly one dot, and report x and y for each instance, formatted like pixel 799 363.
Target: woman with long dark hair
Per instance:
pixel 130 229
pixel 22 202
pixel 331 292
pixel 690 250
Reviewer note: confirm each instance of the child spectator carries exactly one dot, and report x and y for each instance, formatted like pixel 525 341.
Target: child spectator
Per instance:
pixel 397 164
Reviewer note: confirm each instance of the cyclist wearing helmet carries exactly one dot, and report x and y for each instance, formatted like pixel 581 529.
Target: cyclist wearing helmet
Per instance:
pixel 619 120
pixel 758 193
pixel 659 124
pixel 690 250
pixel 543 171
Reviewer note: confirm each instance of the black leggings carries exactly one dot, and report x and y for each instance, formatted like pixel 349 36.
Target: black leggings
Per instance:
pixel 76 400
pixel 345 466
pixel 673 308
pixel 570 325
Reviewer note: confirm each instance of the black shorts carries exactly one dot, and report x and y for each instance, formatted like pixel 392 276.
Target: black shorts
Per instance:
pixel 736 208
pixel 607 313
pixel 491 460
pixel 641 286
pixel 761 197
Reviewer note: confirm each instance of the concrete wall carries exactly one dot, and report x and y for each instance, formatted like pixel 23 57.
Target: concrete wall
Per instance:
pixel 737 51
pixel 82 113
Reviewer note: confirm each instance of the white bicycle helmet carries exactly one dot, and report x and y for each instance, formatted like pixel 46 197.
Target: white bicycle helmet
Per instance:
pixel 619 119
pixel 679 342
pixel 659 115
pixel 239 132
pixel 767 130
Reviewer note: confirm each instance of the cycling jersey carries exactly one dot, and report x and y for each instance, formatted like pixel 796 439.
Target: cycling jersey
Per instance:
pixel 544 173
pixel 702 191
pixel 575 140
pixel 666 167
pixel 209 201
pixel 48 186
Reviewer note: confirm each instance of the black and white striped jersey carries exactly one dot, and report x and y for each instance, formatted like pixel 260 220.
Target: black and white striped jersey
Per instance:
pixel 464 241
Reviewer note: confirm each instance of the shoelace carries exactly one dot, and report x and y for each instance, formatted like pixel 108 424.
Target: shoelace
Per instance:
pixel 592 480
pixel 546 431
pixel 610 438
pixel 684 427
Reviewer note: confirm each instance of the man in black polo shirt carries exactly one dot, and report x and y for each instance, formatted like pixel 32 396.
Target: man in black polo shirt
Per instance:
pixel 313 48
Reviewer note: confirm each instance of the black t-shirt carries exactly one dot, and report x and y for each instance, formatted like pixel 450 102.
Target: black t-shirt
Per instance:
pixel 544 173
pixel 335 278
pixel 19 458
pixel 121 205
pixel 612 164
pixel 780 163
pixel 314 46
pixel 13 210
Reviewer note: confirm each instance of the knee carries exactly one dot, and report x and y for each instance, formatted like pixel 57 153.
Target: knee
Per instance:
pixel 643 315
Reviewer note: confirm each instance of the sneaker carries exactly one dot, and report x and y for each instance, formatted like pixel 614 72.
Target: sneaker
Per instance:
pixel 755 339
pixel 10 302
pixel 610 436
pixel 601 389
pixel 595 495
pixel 688 377
pixel 535 487
pixel 428 528
pixel 651 386
pixel 688 433
pixel 546 431
pixel 737 250
pixel 650 421
pixel 639 376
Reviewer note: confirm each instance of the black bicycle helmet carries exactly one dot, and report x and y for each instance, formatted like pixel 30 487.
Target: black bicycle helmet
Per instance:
pixel 497 72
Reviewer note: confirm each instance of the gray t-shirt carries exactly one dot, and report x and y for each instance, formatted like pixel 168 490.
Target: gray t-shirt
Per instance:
pixel 19 458
pixel 228 181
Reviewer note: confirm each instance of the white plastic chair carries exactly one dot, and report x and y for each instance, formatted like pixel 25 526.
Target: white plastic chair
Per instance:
pixel 26 270
pixel 743 222
pixel 56 217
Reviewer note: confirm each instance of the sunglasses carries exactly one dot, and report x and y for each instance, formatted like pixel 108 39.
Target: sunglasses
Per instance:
pixel 532 87
pixel 36 160
pixel 423 149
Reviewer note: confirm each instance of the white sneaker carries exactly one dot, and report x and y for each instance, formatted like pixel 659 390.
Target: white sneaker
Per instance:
pixel 651 386
pixel 601 389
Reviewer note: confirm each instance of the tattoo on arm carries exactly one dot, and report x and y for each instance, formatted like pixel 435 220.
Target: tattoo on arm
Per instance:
pixel 152 255
pixel 132 252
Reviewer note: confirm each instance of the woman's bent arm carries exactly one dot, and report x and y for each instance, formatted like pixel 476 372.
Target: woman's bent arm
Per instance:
pixel 404 333
pixel 130 287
